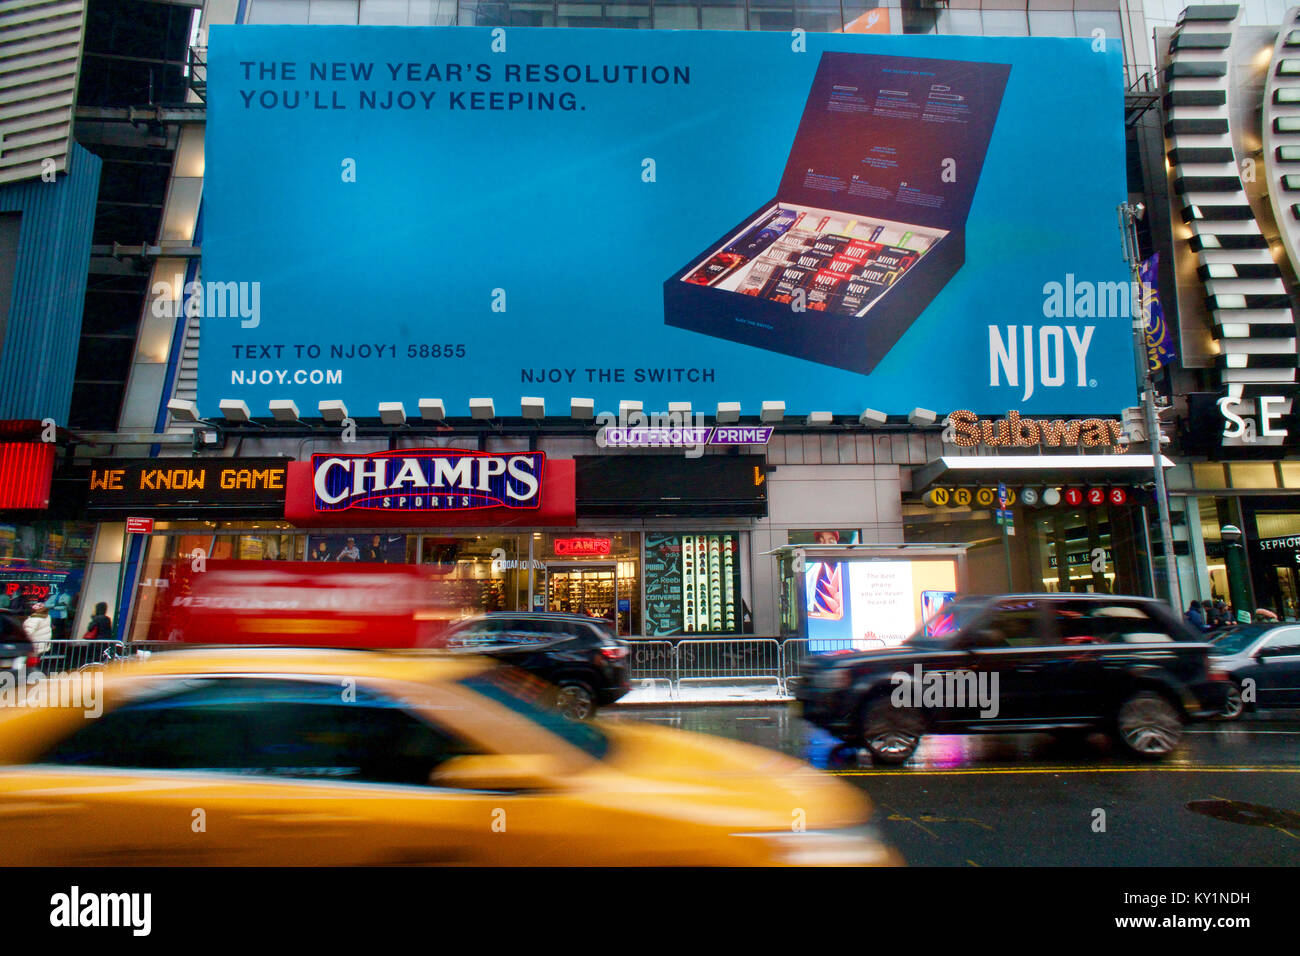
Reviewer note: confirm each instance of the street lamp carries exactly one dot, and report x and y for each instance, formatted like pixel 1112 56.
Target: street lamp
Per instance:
pixel 1129 214
pixel 1234 554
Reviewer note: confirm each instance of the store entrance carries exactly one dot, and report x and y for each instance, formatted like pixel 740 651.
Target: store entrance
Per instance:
pixel 587 589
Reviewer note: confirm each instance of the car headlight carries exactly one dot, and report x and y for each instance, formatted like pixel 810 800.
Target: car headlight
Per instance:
pixel 854 846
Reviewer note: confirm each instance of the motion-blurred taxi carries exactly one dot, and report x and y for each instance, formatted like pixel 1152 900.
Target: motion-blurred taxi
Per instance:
pixel 308 757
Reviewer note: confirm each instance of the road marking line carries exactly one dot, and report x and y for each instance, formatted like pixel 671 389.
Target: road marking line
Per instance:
pixel 979 771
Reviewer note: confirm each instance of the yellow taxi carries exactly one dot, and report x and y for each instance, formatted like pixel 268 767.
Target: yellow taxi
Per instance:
pixel 265 756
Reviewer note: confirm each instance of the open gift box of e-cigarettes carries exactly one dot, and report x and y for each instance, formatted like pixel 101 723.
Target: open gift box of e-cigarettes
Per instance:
pixel 869 222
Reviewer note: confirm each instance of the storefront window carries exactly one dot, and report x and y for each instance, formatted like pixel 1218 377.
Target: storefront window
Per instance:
pixel 1253 475
pixel 595 573
pixel 44 562
pixel 476 574
pixel 1208 475
pixel 692 584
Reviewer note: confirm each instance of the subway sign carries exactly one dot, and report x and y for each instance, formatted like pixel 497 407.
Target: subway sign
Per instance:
pixel 428 479
pixel 150 485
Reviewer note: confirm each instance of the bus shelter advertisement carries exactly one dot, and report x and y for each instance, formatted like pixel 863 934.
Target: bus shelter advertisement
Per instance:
pixel 835 221
pixel 858 605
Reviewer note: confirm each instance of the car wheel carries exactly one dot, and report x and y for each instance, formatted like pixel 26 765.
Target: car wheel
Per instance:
pixel 1234 706
pixel 1149 725
pixel 575 700
pixel 891 733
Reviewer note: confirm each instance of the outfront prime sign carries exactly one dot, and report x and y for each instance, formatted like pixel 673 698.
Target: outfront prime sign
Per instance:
pixel 884 221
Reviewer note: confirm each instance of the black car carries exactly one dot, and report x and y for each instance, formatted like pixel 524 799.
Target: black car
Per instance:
pixel 1262 662
pixel 1066 663
pixel 580 656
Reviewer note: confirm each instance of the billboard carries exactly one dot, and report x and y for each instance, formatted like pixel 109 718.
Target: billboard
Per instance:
pixel 835 221
pixel 874 603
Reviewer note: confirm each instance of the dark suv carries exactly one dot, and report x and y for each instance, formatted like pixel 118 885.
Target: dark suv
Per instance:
pixel 580 656
pixel 1065 663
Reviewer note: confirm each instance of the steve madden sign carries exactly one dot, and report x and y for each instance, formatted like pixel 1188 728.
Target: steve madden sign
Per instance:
pixel 427 479
pixel 967 429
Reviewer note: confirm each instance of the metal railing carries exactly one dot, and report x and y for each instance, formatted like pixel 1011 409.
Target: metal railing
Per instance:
pixel 672 665
pixel 698 661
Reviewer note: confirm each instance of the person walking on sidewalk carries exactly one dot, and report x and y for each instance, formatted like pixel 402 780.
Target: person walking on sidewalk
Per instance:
pixel 38 629
pixel 101 626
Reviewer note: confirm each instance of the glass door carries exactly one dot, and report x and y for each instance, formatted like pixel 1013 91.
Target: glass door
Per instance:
pixel 587 589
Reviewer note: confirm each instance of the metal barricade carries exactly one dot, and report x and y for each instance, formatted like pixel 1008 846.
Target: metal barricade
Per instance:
pixel 796 650
pixel 729 660
pixel 65 655
pixel 651 660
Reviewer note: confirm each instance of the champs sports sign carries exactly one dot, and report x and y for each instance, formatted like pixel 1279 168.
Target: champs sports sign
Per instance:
pixel 433 480
pixel 430 487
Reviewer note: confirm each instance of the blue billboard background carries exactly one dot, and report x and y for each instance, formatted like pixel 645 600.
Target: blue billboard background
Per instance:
pixel 459 245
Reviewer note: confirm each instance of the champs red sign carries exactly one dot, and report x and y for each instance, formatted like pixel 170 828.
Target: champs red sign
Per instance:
pixel 430 486
pixel 582 547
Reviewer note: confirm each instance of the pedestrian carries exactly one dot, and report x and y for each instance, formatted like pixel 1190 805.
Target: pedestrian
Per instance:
pixel 38 629
pixel 1195 617
pixel 101 625
pixel 1220 611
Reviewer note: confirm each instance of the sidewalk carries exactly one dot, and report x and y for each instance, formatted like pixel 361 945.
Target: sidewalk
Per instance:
pixel 720 691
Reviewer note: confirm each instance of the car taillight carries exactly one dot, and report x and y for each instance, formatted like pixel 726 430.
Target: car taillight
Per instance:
pixel 33 661
pixel 613 653
pixel 1217 675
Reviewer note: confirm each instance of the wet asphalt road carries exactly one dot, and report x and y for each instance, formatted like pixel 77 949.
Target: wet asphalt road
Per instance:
pixel 1230 796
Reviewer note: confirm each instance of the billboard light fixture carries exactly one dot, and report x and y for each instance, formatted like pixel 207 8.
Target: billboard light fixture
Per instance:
pixel 873 417
pixel 284 410
pixel 820 418
pixel 392 413
pixel 582 409
pixel 332 410
pixel 432 409
pixel 532 407
pixel 728 412
pixel 772 412
pixel 183 410
pixel 482 408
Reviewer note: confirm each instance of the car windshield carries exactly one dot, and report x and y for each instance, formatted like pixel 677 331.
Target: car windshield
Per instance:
pixel 1238 639
pixel 520 691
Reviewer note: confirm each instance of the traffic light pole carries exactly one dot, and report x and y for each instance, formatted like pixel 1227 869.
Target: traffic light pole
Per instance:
pixel 1128 216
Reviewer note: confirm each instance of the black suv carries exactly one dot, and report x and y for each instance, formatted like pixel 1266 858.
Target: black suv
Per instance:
pixel 580 656
pixel 1065 663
